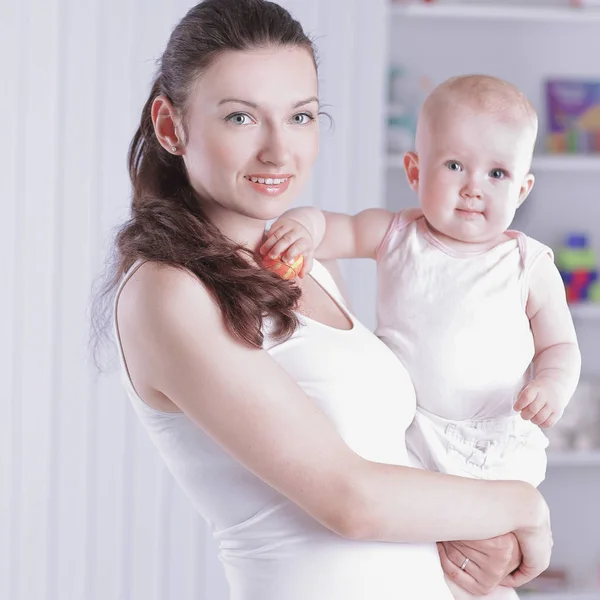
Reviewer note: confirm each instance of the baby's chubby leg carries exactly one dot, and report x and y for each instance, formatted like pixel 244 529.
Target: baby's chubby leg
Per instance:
pixel 500 593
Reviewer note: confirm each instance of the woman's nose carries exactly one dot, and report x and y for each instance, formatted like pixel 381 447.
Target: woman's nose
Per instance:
pixel 275 150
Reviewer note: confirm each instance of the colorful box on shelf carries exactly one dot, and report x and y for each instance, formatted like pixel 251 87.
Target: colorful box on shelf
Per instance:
pixel 578 266
pixel 573 112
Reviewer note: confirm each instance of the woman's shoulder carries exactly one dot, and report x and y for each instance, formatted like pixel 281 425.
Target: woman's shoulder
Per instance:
pixel 153 280
pixel 166 318
pixel 154 295
pixel 147 275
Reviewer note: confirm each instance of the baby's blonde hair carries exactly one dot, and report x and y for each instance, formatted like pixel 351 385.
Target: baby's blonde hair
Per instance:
pixel 483 93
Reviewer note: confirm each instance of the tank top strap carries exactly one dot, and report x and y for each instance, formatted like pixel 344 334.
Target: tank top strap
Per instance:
pixel 320 273
pixel 402 219
pixel 126 277
pixel 531 251
pixel 139 405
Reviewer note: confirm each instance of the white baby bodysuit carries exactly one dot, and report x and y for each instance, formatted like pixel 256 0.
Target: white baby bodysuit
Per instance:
pixel 458 322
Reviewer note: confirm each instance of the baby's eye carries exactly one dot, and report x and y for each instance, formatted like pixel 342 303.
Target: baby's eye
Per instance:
pixel 498 173
pixel 240 119
pixel 454 166
pixel 302 118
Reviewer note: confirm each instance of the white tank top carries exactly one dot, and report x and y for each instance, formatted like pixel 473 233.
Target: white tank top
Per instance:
pixel 270 548
pixel 458 323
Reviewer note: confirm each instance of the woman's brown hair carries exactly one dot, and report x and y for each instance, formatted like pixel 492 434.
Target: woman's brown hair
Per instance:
pixel 167 224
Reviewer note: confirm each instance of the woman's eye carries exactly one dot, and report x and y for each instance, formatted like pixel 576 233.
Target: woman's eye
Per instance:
pixel 454 166
pixel 302 118
pixel 497 174
pixel 240 119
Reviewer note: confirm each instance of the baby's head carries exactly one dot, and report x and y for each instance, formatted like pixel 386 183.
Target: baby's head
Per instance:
pixel 474 144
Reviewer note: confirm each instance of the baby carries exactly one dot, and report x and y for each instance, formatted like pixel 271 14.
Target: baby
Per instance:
pixel 475 311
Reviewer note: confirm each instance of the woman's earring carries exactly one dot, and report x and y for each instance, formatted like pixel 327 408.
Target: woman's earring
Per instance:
pixel 174 148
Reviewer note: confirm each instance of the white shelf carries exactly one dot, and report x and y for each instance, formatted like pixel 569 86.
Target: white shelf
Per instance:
pixel 585 311
pixel 567 458
pixel 541 162
pixel 559 596
pixel 566 162
pixel 495 12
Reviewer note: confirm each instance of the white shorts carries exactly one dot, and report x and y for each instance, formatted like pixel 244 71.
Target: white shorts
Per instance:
pixel 502 448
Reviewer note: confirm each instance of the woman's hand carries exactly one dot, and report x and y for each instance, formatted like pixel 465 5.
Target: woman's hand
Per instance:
pixel 536 545
pixel 490 562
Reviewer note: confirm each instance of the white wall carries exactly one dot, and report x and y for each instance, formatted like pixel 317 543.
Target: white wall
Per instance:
pixel 86 509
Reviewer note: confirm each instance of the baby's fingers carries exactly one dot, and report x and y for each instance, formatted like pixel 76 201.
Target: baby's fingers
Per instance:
pixel 551 421
pixel 306 265
pixel 541 415
pixel 284 239
pixel 546 417
pixel 273 236
pixel 526 397
pixel 300 246
pixel 533 409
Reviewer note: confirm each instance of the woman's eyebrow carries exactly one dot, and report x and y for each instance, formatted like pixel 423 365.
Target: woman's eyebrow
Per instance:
pixel 254 105
pixel 238 101
pixel 307 101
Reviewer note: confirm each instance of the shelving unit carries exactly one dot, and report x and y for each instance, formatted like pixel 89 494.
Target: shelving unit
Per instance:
pixel 566 163
pixel 568 458
pixel 526 45
pixel 506 11
pixel 561 596
pixel 586 312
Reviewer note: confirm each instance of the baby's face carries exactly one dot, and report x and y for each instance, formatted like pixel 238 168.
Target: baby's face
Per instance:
pixel 473 173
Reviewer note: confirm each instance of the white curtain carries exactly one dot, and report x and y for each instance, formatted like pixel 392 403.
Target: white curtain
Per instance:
pixel 87 511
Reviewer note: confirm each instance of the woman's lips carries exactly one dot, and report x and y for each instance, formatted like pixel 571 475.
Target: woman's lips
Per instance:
pixel 270 185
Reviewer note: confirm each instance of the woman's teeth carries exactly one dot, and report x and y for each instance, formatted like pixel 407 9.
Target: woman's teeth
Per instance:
pixel 268 181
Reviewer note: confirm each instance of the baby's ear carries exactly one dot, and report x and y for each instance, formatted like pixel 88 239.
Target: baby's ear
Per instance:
pixel 526 187
pixel 411 166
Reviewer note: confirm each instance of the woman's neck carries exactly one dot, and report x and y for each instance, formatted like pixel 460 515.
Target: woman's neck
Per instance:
pixel 241 229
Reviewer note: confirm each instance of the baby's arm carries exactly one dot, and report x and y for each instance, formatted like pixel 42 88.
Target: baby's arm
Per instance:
pixel 557 360
pixel 328 235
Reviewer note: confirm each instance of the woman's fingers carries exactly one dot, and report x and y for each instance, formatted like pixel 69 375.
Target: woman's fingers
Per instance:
pixel 524 574
pixel 469 578
pixel 497 556
pixel 536 546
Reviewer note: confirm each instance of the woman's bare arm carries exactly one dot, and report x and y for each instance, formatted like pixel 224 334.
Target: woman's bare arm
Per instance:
pixel 176 342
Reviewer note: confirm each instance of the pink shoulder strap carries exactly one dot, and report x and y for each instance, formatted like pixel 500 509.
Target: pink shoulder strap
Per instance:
pixel 401 220
pixel 531 252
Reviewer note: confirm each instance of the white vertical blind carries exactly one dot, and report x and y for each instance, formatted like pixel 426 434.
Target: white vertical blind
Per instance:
pixel 87 510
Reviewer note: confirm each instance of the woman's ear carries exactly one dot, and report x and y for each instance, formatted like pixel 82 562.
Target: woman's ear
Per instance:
pixel 526 187
pixel 411 166
pixel 164 118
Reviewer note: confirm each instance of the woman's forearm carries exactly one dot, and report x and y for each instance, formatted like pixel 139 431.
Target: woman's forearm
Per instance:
pixel 402 504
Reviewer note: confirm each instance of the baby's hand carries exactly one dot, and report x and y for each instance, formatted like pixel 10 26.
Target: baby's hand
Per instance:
pixel 288 238
pixel 542 402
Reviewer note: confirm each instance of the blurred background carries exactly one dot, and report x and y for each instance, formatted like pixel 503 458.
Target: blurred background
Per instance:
pixel 87 510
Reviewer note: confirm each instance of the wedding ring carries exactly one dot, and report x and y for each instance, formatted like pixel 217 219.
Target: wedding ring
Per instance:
pixel 464 564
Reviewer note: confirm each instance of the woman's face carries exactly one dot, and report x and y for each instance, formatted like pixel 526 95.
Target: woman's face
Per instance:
pixel 252 133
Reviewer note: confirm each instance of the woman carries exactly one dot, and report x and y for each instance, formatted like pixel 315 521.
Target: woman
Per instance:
pixel 278 413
